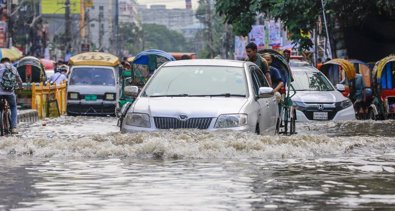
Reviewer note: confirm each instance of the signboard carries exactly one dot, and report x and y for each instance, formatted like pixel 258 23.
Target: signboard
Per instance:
pixel 257 36
pixel 240 45
pixel 274 34
pixel 50 7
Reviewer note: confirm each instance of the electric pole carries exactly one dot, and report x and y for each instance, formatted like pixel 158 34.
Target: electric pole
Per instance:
pixel 68 25
pixel 209 29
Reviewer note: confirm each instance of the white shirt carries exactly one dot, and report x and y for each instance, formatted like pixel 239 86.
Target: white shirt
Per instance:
pixel 57 78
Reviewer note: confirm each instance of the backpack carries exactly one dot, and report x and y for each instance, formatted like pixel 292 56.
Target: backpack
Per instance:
pixel 8 82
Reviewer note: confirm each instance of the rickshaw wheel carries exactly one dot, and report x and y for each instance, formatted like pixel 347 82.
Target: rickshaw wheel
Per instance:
pixel 293 126
pixel 372 116
pixel 278 126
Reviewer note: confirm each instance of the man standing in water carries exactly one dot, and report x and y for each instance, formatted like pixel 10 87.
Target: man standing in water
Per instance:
pixel 253 56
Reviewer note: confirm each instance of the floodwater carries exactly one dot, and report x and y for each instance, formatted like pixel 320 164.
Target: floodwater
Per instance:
pixel 84 163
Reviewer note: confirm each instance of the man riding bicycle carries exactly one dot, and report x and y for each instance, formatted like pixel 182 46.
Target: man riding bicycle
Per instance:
pixel 9 77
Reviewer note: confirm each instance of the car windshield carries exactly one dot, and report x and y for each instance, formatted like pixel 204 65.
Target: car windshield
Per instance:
pixel 311 81
pixel 92 76
pixel 192 81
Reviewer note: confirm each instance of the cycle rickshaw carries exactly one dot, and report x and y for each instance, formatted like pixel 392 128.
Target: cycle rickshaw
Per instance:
pixel 286 124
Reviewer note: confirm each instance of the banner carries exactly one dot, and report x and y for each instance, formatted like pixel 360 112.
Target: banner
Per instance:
pixel 257 36
pixel 274 34
pixel 240 45
pixel 58 7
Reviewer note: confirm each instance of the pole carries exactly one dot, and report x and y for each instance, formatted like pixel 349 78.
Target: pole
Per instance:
pixel 9 23
pixel 68 24
pixel 209 29
pixel 116 20
pixel 82 21
pixel 326 28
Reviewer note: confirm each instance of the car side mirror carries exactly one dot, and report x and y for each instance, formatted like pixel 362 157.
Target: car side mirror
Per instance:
pixel 266 92
pixel 131 91
pixel 340 87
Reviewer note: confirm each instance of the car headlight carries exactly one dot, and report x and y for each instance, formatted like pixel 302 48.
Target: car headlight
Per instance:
pixel 138 120
pixel 109 96
pixel 345 104
pixel 299 105
pixel 73 96
pixel 231 120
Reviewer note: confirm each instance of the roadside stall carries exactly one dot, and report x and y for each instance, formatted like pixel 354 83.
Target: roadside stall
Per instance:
pixel 383 105
pixel 93 84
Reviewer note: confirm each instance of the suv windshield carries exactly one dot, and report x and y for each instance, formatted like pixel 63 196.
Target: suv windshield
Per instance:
pixel 92 76
pixel 190 81
pixel 311 81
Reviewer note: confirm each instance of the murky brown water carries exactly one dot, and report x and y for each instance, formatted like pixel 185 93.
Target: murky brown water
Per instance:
pixel 83 163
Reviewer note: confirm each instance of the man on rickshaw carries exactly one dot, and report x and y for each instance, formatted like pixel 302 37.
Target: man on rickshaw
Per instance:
pixel 253 56
pixel 275 75
pixel 356 95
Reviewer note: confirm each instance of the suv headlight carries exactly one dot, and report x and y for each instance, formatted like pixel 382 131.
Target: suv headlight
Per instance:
pixel 74 95
pixel 231 120
pixel 138 120
pixel 109 96
pixel 345 104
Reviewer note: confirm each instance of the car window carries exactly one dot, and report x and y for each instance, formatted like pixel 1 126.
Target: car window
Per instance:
pixel 258 79
pixel 198 80
pixel 311 81
pixel 92 76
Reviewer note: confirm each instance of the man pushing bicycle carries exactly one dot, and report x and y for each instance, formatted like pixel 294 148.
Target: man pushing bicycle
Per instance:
pixel 9 79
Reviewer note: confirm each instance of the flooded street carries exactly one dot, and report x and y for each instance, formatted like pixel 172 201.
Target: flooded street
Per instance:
pixel 84 163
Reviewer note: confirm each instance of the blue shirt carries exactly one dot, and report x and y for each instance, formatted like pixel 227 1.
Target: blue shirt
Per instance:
pixel 276 76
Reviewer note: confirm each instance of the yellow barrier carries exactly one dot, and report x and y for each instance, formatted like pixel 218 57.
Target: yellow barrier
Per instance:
pixel 49 100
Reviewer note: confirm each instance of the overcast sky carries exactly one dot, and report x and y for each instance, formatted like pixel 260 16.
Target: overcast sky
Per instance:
pixel 169 3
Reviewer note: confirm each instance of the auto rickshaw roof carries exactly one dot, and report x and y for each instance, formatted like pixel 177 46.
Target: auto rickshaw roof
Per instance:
pixel 347 66
pixel 30 60
pixel 378 68
pixel 94 59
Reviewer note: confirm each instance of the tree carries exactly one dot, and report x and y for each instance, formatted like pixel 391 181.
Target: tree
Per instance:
pixel 217 35
pixel 160 37
pixel 302 15
pixel 130 38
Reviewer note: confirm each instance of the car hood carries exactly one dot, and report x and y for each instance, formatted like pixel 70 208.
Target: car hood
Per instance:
pixel 318 97
pixel 190 106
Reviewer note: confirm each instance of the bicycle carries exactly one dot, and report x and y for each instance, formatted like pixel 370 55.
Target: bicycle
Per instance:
pixel 5 117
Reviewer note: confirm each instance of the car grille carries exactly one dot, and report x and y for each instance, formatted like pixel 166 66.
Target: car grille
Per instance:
pixel 310 114
pixel 174 123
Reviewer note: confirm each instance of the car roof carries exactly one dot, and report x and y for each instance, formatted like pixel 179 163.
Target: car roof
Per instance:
pixel 206 62
pixel 304 69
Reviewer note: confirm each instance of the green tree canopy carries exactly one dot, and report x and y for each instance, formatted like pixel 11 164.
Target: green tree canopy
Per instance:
pixel 300 15
pixel 160 37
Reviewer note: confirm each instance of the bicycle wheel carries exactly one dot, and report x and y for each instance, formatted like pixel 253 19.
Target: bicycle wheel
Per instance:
pixel 286 121
pixel 1 124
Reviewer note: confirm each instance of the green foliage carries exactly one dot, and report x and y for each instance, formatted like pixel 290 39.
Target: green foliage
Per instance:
pixel 131 37
pixel 160 37
pixel 300 15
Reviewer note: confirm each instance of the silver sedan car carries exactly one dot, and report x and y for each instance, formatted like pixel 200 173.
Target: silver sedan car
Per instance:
pixel 203 94
pixel 316 99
